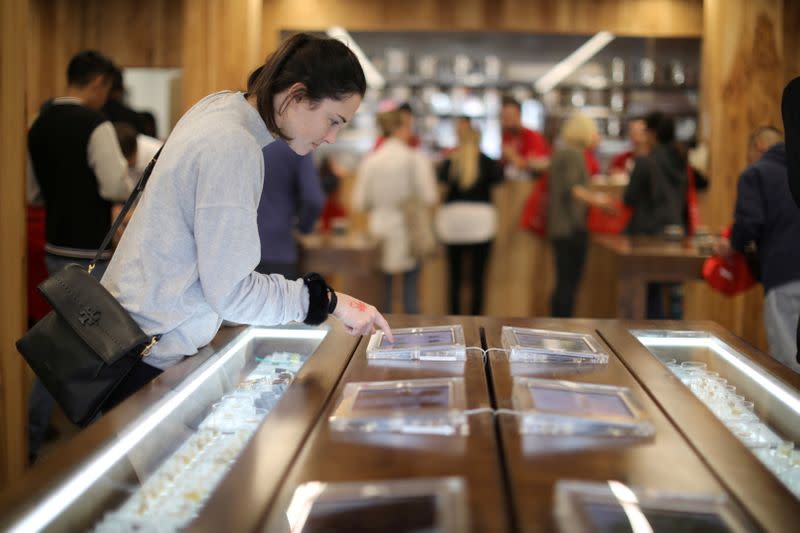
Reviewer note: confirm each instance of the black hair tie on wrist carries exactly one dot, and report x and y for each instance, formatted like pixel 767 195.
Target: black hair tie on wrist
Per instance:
pixel 321 299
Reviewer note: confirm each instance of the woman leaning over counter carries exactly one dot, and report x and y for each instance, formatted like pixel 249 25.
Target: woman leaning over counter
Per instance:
pixel 186 261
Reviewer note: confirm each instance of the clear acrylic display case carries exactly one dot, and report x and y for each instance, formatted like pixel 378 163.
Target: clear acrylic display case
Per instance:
pixel 433 406
pixel 438 343
pixel 427 504
pixel 760 410
pixel 159 470
pixel 552 407
pixel 528 345
pixel 615 507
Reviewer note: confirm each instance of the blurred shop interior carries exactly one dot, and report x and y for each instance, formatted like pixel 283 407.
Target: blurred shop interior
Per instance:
pixel 717 68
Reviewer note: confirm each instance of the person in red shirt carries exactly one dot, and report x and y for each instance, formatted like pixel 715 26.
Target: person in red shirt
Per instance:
pixel 592 165
pixel 640 146
pixel 330 175
pixel 526 153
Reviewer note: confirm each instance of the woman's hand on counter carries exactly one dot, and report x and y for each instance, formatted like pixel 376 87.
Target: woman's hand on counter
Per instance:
pixel 360 318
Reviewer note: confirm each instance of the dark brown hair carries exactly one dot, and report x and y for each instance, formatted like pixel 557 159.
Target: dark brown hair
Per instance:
pixel 126 135
pixel 326 67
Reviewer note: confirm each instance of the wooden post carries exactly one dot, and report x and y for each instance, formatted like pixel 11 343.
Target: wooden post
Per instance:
pixel 13 419
pixel 221 46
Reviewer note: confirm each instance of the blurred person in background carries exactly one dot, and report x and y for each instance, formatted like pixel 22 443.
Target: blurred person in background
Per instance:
pixel 76 168
pixel 407 115
pixel 526 153
pixel 330 176
pixel 466 222
pixel 766 215
pixel 386 179
pixel 657 188
pixel 115 108
pixel 640 147
pixel 790 112
pixel 569 196
pixel 149 127
pixel 291 200
pixel 657 193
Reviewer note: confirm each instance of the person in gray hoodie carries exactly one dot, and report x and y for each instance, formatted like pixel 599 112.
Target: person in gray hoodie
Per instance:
pixel 187 260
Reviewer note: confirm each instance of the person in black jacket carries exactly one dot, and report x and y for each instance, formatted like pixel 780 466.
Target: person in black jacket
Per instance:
pixel 765 214
pixel 77 167
pixel 465 219
pixel 790 109
pixel 657 188
pixel 657 194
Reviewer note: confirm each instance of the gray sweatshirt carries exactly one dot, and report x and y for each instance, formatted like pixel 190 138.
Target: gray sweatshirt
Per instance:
pixel 186 259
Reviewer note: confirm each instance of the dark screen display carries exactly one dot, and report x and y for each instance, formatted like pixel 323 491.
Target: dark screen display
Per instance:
pixel 555 344
pixel 434 396
pixel 404 340
pixel 611 518
pixel 578 403
pixel 406 514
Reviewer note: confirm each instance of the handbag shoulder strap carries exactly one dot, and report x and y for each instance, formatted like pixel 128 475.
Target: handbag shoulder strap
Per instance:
pixel 128 203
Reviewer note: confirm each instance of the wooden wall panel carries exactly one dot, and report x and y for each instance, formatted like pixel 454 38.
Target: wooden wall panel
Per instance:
pixel 791 39
pixel 222 45
pixel 134 33
pixel 13 441
pixel 745 66
pixel 624 17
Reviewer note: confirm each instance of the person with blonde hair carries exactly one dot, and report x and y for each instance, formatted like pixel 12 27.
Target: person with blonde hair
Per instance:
pixel 466 222
pixel 386 181
pixel 569 196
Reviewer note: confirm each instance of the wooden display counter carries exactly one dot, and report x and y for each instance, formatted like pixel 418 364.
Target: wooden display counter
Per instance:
pixel 258 471
pixel 736 467
pixel 630 263
pixel 328 456
pixel 534 464
pixel 509 477
pixel 353 258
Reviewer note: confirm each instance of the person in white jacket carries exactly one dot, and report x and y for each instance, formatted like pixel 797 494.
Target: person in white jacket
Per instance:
pixel 386 180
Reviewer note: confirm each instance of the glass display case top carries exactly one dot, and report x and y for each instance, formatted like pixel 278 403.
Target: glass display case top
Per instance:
pixel 438 343
pixel 435 504
pixel 158 472
pixel 421 406
pixel 550 407
pixel 615 507
pixel 759 409
pixel 547 346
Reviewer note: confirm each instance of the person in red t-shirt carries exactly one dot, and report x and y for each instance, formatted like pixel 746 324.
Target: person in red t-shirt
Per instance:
pixel 330 175
pixel 640 146
pixel 592 165
pixel 525 152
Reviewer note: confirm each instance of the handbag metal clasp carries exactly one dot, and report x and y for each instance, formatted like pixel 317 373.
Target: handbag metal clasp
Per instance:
pixel 149 347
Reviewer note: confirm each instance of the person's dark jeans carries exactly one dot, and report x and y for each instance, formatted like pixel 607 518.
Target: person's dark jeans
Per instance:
pixel 570 257
pixel 476 256
pixel 41 403
pixel 410 281
pixel 664 301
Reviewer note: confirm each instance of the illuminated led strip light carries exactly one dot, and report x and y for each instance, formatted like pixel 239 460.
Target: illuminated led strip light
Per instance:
pixel 778 389
pixel 62 497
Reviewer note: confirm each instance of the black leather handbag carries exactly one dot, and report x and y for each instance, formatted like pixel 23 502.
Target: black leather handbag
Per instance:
pixel 88 343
